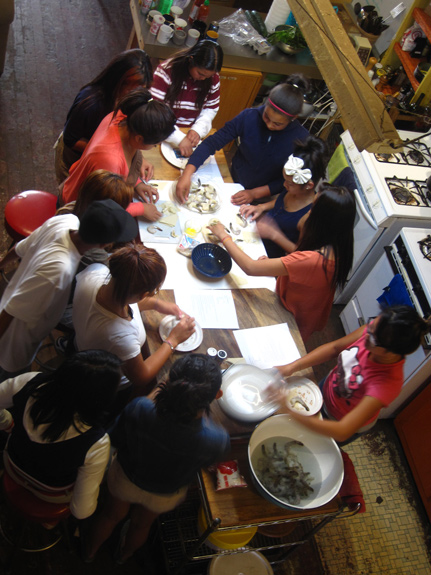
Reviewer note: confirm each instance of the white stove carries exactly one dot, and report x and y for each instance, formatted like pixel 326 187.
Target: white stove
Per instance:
pixel 413 248
pixel 391 193
pixel 395 186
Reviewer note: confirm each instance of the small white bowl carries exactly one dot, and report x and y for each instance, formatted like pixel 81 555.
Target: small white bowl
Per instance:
pixel 308 391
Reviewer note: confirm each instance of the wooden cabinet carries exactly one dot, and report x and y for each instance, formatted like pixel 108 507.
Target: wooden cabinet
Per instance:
pixel 414 429
pixel 394 55
pixel 238 90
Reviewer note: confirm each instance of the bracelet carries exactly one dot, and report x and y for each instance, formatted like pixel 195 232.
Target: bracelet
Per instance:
pixel 226 238
pixel 169 344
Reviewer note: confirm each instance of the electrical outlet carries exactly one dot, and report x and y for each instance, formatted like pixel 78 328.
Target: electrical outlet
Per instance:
pixel 397 10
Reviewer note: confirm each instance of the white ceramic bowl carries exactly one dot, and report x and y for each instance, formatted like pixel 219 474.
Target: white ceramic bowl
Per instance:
pixel 309 392
pixel 320 456
pixel 243 389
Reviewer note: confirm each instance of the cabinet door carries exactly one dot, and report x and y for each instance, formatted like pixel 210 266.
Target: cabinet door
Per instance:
pixel 238 89
pixel 414 430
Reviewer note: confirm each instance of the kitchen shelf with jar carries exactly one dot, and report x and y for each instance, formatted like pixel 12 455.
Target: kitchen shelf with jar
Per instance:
pixel 395 55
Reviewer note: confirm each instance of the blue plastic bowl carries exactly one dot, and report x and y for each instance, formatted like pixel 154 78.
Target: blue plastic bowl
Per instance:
pixel 211 260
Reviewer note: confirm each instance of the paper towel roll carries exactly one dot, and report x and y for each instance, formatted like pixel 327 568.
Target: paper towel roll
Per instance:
pixel 277 14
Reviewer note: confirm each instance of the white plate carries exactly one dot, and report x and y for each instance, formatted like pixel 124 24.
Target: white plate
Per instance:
pixel 308 391
pixel 167 325
pixel 170 156
pixel 243 386
pixel 173 198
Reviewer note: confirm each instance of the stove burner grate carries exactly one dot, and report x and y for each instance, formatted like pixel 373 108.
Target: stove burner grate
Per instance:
pixel 425 246
pixel 416 154
pixel 409 192
pixel 404 197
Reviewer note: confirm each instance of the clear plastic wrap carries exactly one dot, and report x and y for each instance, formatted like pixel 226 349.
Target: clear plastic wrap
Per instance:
pixel 238 28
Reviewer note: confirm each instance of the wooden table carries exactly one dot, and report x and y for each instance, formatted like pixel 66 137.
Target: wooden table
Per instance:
pixel 163 170
pixel 255 308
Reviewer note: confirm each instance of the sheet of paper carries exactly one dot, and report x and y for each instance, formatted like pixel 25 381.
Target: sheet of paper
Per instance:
pixel 267 346
pixel 212 309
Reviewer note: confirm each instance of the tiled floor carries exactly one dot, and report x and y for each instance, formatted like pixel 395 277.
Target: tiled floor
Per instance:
pixel 393 536
pixel 54 48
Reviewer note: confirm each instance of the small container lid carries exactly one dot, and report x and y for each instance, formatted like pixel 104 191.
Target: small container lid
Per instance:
pixel 212 352
pixel 234 564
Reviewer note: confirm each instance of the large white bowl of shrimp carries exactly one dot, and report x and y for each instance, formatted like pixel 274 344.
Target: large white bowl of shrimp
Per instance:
pixel 292 466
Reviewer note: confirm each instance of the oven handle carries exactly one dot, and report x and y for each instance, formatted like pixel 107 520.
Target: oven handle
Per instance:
pixel 363 211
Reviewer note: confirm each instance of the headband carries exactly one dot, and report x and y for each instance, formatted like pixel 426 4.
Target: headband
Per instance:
pixel 293 167
pixel 282 111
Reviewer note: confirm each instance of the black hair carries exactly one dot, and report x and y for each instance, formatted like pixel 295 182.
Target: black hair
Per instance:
pixel 152 120
pixel 205 54
pixel 330 225
pixel 81 390
pixel 107 85
pixel 400 329
pixel 289 96
pixel 315 154
pixel 193 383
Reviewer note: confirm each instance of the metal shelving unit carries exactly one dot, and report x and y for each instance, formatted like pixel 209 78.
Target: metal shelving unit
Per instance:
pixel 183 544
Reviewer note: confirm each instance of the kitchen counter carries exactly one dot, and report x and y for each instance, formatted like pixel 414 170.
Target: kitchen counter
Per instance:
pixel 235 56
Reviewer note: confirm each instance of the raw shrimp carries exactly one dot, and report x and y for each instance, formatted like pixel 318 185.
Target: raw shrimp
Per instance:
pixel 281 473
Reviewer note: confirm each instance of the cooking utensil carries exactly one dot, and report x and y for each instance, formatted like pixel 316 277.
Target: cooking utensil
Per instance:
pixel 320 456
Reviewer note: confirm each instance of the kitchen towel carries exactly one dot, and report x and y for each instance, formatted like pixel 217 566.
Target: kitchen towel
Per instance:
pixel 395 293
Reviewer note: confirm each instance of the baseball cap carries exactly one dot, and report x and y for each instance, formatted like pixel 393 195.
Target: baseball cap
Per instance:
pixel 106 222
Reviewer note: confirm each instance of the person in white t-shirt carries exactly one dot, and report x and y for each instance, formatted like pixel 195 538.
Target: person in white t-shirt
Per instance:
pixel 107 308
pixel 35 299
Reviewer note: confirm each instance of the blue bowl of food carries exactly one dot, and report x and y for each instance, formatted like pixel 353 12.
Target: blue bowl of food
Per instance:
pixel 211 260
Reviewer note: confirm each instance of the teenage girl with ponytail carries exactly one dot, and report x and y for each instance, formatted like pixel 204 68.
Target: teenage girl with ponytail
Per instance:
pixel 266 134
pixel 137 123
pixel 161 444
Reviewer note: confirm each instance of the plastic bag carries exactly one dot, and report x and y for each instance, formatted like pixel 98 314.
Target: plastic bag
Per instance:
pixel 186 245
pixel 228 475
pixel 237 27
pixel 408 41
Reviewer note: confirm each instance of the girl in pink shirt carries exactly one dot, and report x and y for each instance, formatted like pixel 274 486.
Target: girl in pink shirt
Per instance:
pixel 368 375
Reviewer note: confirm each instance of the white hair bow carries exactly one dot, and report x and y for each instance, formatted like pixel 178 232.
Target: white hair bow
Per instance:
pixel 293 167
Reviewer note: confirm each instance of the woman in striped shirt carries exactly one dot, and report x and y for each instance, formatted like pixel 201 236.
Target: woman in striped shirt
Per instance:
pixel 190 84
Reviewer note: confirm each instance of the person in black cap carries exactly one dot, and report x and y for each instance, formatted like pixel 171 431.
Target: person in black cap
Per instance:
pixel 35 299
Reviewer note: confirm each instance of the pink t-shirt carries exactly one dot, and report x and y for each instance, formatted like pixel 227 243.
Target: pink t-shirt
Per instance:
pixel 356 376
pixel 103 152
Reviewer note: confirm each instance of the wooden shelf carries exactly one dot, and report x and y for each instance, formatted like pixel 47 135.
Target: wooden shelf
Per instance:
pixel 394 55
pixel 424 21
pixel 409 64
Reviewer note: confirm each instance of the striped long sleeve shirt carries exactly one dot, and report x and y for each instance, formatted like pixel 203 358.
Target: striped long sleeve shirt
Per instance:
pixel 184 108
